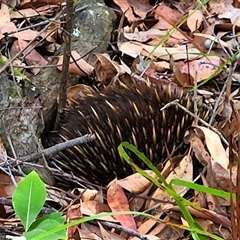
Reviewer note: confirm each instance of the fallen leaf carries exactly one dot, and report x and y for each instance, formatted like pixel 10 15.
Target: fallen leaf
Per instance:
pixel 195 20
pixel 77 66
pixel 117 201
pixel 136 183
pixel 215 147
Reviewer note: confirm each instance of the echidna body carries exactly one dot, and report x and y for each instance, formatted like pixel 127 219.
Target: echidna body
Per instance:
pixel 121 112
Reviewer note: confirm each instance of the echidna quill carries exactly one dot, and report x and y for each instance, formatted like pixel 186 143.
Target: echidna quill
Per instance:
pixel 121 112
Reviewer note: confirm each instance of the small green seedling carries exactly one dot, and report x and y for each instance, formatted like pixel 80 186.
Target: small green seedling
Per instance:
pixel 28 200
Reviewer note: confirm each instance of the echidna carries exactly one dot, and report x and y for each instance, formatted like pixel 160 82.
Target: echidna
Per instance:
pixel 121 112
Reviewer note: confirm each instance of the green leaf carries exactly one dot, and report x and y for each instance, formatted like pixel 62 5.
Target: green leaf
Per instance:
pixel 2 62
pixel 201 188
pixel 56 216
pixel 28 198
pixel 46 226
pixel 195 229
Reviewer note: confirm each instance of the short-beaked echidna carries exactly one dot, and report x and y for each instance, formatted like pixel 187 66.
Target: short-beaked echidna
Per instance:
pixel 121 112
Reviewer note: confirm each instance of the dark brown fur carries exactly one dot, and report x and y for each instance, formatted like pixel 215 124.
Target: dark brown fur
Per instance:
pixel 119 113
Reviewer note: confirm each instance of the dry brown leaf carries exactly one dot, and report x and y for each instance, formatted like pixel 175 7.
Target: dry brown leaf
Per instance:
pixel 215 217
pixel 33 57
pixel 118 202
pixel 99 197
pixel 6 186
pixel 232 128
pixel 222 177
pixel 198 148
pixel 26 35
pixel 161 66
pixel 73 213
pixel 215 147
pixel 56 197
pixel 178 52
pixel 180 78
pixel 138 202
pixel 82 68
pixel 208 214
pixel 127 10
pixel 6 180
pixel 86 194
pixel 7 28
pixel 162 25
pixel 148 236
pixel 130 48
pixel 106 69
pixel 143 36
pixel 134 9
pixel 150 70
pixel 195 20
pixel 141 7
pixel 163 228
pixel 30 12
pixel 219 7
pixel 133 49
pixel 227 110
pixel 201 68
pixel 89 228
pixel 105 234
pixel 88 235
pixel 183 171
pixel 35 4
pixel 4 15
pixel 169 15
pixel 149 224
pixel 91 208
pixel 209 198
pixel 136 183
pixel 207 36
pixel 235 18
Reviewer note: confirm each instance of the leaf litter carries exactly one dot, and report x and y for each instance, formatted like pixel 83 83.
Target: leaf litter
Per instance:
pixel 181 42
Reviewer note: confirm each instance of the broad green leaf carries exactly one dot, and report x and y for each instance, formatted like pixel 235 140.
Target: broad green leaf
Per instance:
pixel 28 198
pixel 56 216
pixel 44 227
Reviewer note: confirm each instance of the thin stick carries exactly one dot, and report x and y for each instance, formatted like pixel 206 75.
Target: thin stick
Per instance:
pixel 67 36
pixel 176 102
pixel 58 147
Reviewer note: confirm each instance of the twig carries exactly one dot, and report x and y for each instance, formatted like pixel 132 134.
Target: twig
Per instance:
pixel 59 147
pixel 124 229
pixel 3 68
pixel 67 36
pixel 176 102
pixel 50 20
